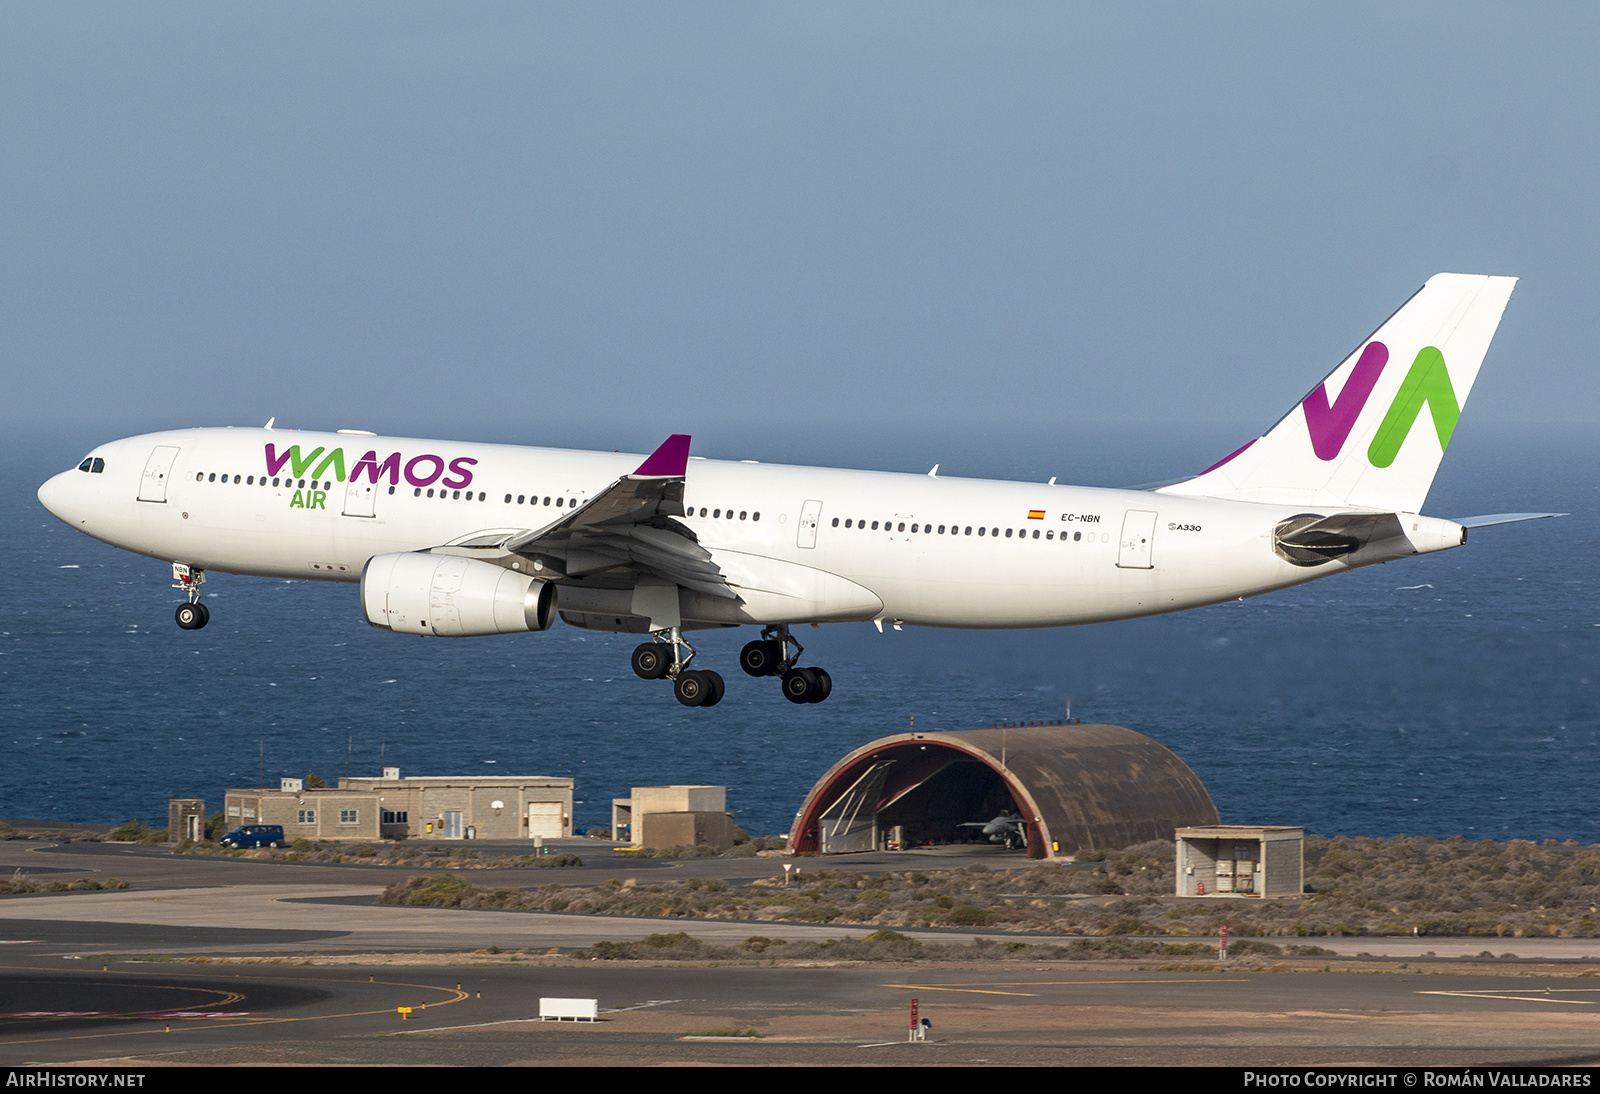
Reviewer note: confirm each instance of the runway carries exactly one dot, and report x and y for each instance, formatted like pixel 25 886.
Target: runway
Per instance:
pixel 159 975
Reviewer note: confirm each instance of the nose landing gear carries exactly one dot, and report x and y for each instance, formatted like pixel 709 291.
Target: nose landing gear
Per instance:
pixel 775 654
pixel 693 687
pixel 193 615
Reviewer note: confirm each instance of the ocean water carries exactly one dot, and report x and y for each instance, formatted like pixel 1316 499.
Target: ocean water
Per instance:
pixel 1451 694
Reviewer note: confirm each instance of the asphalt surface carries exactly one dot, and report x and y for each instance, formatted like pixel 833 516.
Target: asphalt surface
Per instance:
pixel 157 974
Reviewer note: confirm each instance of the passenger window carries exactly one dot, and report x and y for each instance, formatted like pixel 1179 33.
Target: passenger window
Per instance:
pixel 559 502
pixel 1077 536
pixel 213 477
pixel 249 480
pixel 1049 535
pixel 200 476
pixel 702 510
pixel 417 493
pixel 391 489
pixel 547 499
pixel 1008 533
pixel 913 527
pixel 755 516
pixel 482 495
pixel 941 529
pixel 995 532
pixel 982 531
pixel 874 526
pixel 519 498
pixel 716 513
pixel 847 523
pixel 1036 533
pixel 456 494
pixel 430 491
pixel 902 526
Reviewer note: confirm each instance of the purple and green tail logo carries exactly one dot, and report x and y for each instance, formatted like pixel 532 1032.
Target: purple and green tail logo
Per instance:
pixel 1426 384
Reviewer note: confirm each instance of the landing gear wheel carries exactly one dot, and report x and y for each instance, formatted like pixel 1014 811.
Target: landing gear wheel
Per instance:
pixel 650 661
pixel 824 685
pixel 801 685
pixel 205 614
pixel 191 617
pixel 692 688
pixel 761 658
pixel 717 688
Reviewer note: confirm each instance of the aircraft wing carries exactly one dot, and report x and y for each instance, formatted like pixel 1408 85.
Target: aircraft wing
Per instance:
pixel 630 525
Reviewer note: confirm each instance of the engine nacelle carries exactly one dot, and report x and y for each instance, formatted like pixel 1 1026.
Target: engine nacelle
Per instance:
pixel 452 597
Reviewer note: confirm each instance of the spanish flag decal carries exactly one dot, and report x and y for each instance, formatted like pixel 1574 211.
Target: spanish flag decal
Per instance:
pixel 1035 514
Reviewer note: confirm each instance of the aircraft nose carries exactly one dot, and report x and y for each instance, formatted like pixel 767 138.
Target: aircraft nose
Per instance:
pixel 56 495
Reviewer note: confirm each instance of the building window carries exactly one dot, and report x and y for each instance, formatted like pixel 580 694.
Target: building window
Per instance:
pixel 396 816
pixel 306 816
pixel 349 816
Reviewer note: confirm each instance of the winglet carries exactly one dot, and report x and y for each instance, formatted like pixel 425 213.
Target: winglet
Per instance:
pixel 671 460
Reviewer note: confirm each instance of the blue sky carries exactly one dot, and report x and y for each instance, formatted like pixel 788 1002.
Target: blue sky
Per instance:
pixel 692 216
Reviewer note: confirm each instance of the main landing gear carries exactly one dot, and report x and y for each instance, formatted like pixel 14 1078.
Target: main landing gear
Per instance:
pixel 775 654
pixel 193 615
pixel 663 657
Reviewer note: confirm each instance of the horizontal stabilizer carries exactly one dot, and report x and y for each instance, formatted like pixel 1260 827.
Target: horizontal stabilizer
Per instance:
pixel 1504 518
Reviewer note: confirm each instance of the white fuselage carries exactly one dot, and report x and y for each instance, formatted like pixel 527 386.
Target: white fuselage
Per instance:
pixel 797 544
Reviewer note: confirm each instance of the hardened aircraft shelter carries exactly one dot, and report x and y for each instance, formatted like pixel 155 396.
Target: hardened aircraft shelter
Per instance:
pixel 1072 787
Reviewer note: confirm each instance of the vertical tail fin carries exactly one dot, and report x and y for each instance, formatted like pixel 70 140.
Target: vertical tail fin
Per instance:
pixel 1372 434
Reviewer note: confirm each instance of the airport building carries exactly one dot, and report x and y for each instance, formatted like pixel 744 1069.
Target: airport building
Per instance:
pixel 674 816
pixel 1056 788
pixel 390 807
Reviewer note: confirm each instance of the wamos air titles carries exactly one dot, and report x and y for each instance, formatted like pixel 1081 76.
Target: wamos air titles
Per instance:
pixel 454 540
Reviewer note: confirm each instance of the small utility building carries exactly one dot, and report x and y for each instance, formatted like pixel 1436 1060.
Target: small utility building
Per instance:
pixel 673 816
pixel 1239 860
pixel 389 807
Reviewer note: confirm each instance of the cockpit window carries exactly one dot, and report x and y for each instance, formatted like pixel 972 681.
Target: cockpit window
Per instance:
pixel 99 466
pixel 86 464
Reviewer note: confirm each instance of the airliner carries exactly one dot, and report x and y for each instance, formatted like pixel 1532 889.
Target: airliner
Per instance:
pixel 450 539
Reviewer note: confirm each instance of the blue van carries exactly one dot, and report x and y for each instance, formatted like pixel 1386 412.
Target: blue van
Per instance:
pixel 254 835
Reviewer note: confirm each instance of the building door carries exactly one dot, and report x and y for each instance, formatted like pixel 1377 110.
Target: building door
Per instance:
pixel 810 516
pixel 1138 534
pixel 153 483
pixel 544 819
pixel 452 825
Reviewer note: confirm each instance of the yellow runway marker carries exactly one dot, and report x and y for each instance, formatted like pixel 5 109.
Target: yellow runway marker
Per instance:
pixel 969 991
pixel 1517 998
pixel 1056 984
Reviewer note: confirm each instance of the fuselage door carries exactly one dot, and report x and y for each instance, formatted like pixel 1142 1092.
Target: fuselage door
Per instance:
pixel 360 498
pixel 1138 534
pixel 809 518
pixel 153 484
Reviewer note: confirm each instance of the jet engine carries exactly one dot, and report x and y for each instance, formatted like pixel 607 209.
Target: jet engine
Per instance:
pixel 452 597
